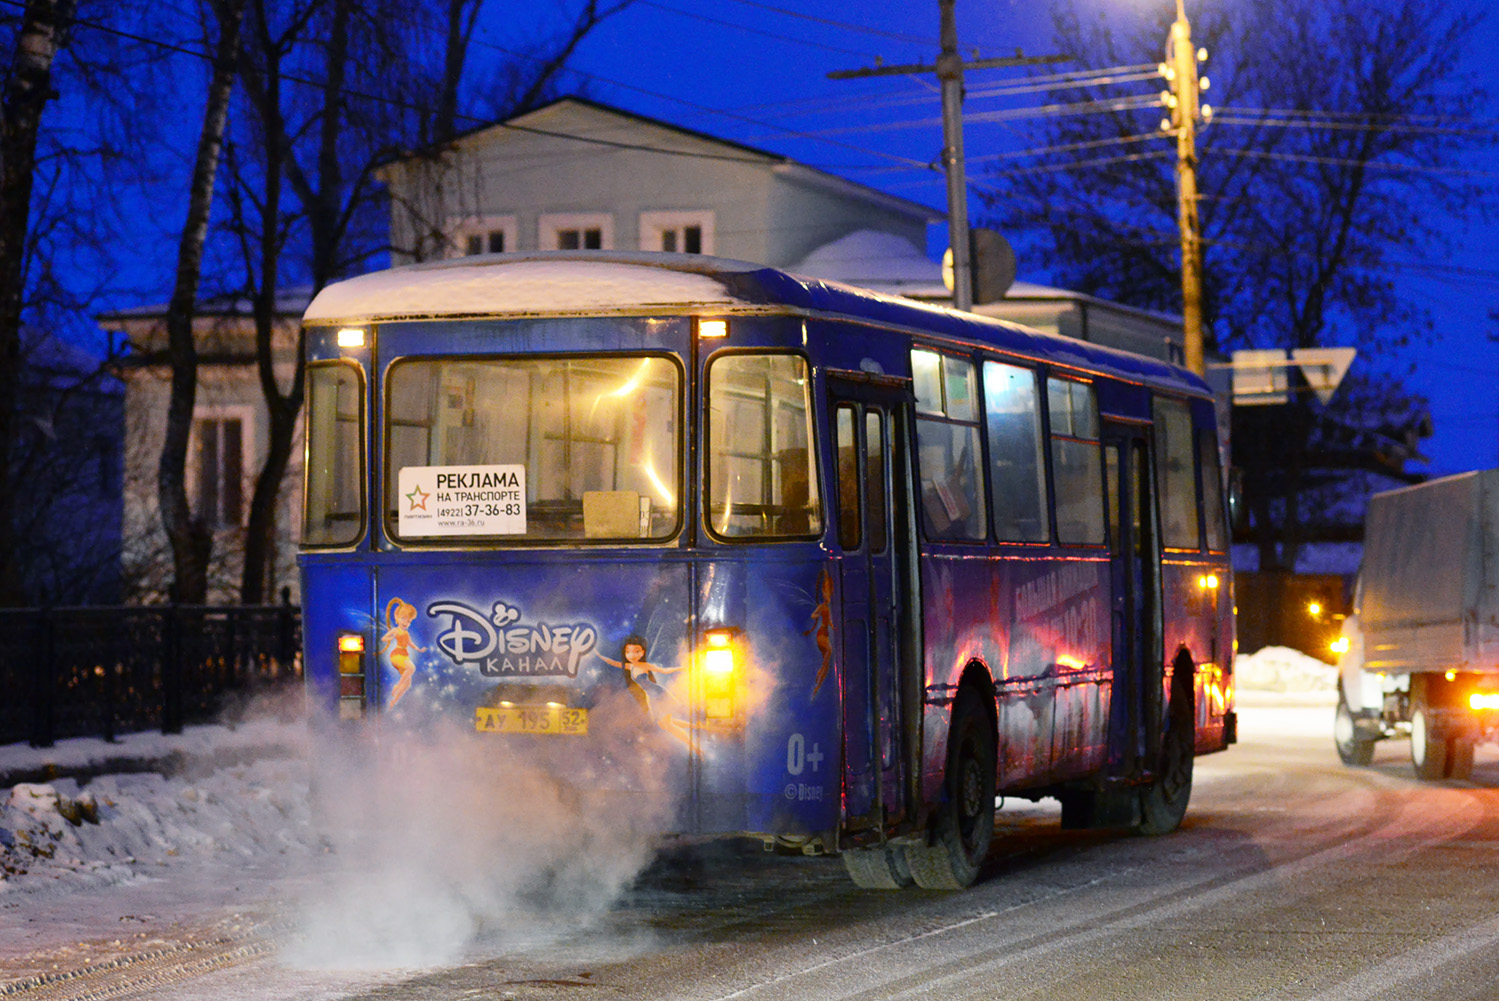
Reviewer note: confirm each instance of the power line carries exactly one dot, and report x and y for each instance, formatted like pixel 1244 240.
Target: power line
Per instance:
pixel 1103 161
pixel 748 29
pixel 1230 117
pixel 1015 114
pixel 842 25
pixel 1344 162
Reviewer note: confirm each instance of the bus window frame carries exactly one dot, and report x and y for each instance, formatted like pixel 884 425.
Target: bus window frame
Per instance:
pixel 701 426
pixel 1193 426
pixel 974 361
pixel 363 456
pixel 1047 374
pixel 1037 372
pixel 495 542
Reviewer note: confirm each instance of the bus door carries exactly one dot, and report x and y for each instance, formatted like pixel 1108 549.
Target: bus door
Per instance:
pixel 1135 572
pixel 869 415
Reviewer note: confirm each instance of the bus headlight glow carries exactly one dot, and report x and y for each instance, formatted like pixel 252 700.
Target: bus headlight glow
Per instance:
pixel 1484 700
pixel 1339 645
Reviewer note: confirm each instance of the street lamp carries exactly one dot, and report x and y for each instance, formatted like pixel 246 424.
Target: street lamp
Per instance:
pixel 1180 71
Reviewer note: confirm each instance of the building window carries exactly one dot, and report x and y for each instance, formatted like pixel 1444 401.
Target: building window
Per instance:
pixel 483 235
pixel 576 231
pixel 217 471
pixel 677 232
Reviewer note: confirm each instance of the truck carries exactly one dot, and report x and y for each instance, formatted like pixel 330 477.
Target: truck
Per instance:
pixel 1420 649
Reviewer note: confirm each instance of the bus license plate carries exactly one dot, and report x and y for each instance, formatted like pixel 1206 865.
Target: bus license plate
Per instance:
pixel 532 719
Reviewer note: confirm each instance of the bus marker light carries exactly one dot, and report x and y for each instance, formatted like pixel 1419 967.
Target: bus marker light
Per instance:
pixel 351 703
pixel 718 674
pixel 1484 700
pixel 351 337
pixel 1451 675
pixel 713 328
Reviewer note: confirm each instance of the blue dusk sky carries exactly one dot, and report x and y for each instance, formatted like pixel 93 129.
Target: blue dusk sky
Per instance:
pixel 756 72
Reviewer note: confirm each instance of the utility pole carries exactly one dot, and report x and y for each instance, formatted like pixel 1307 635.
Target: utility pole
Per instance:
pixel 949 70
pixel 1180 71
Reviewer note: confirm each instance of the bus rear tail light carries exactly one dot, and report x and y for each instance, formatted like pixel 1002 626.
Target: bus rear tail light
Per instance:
pixel 719 674
pixel 351 673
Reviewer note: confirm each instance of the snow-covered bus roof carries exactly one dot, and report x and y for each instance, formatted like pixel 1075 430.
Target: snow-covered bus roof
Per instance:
pixel 592 283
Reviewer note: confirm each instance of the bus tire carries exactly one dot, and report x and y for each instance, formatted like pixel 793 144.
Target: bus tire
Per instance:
pixel 1353 750
pixel 1163 803
pixel 963 825
pixel 881 868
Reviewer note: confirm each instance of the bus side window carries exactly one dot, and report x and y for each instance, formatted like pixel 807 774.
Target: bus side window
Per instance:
pixel 848 478
pixel 874 478
pixel 1212 489
pixel 1076 463
pixel 947 443
pixel 761 465
pixel 1175 476
pixel 1017 469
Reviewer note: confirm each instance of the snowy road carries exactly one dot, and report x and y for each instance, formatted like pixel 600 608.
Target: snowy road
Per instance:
pixel 1294 877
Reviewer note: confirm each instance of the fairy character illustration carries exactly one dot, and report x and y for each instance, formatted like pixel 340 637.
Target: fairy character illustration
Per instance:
pixel 640 676
pixel 822 625
pixel 398 618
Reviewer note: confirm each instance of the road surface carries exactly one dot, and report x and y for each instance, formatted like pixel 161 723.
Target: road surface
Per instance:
pixel 1293 878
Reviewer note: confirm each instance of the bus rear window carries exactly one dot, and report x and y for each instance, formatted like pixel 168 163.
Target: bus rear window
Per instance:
pixel 333 499
pixel 533 449
pixel 762 479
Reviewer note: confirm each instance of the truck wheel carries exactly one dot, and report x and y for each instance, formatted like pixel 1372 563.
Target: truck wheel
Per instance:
pixel 1459 757
pixel 882 868
pixel 1352 749
pixel 1428 751
pixel 964 821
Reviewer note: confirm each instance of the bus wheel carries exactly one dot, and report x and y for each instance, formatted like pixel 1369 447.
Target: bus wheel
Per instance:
pixel 1352 749
pixel 1164 803
pixel 882 868
pixel 964 822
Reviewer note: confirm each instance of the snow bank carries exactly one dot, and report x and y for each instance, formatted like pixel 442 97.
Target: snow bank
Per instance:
pixel 56 837
pixel 401 855
pixel 1281 669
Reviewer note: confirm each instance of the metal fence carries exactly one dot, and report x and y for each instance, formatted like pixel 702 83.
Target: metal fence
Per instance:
pixel 98 672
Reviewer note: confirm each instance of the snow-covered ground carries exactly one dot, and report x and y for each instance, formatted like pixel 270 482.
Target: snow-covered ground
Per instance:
pixel 227 844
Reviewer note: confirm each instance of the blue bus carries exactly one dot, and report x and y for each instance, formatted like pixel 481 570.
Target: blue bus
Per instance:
pixel 835 569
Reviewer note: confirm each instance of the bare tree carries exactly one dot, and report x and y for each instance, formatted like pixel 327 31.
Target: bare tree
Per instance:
pixel 190 537
pixel 27 87
pixel 367 100
pixel 1336 148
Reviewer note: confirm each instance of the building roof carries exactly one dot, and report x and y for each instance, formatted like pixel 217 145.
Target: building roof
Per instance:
pixel 533 122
